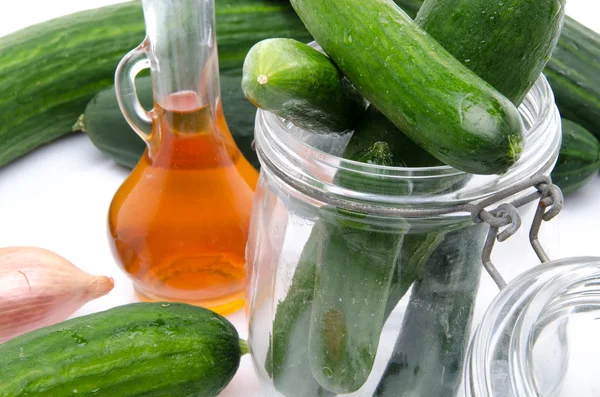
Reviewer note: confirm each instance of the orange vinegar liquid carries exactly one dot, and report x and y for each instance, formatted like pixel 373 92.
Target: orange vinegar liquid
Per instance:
pixel 179 223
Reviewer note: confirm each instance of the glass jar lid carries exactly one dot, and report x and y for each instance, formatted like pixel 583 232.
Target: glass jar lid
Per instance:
pixel 540 336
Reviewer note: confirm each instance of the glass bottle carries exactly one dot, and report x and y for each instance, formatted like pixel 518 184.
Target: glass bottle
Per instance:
pixel 179 223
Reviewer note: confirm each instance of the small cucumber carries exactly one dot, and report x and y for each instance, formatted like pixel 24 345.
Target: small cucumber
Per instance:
pixel 302 85
pixel 507 43
pixel 429 95
pixel 140 349
pixel 579 157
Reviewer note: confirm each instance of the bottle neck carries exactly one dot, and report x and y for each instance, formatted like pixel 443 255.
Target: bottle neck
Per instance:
pixel 183 52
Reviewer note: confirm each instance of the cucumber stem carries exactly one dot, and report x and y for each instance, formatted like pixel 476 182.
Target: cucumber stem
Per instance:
pixel 243 347
pixel 262 79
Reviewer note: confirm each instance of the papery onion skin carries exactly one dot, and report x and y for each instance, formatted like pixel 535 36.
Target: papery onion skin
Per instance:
pixel 40 288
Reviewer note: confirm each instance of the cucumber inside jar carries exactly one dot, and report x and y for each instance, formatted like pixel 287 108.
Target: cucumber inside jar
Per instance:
pixel 352 272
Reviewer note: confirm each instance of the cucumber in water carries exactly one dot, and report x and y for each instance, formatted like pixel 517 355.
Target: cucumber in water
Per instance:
pixel 302 85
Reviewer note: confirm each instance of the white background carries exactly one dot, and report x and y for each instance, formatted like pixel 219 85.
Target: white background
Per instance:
pixel 58 197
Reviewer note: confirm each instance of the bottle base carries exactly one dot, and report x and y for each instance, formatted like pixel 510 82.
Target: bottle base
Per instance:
pixel 222 306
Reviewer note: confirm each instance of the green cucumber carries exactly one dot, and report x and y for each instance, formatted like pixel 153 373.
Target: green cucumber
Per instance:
pixel 376 127
pixel 363 268
pixel 337 247
pixel 435 100
pixel 507 43
pixel 373 133
pixel 427 360
pixel 140 349
pixel 287 357
pixel 579 157
pixel 573 70
pixel 574 74
pixel 356 264
pixel 300 84
pixel 97 39
pixel 108 130
pixel 50 71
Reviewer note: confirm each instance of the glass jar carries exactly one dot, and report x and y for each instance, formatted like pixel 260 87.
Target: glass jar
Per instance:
pixel 370 289
pixel 540 335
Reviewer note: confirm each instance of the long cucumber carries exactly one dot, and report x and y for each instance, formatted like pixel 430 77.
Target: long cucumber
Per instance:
pixel 435 100
pixel 507 43
pixel 50 71
pixel 428 357
pixel 288 356
pixel 579 157
pixel 353 278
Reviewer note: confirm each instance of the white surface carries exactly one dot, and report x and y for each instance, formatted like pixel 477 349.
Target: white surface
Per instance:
pixel 57 198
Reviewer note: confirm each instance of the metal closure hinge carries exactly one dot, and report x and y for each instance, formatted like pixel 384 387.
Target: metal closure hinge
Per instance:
pixel 506 217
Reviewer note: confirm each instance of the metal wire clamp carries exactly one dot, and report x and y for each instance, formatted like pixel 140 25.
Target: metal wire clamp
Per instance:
pixel 507 216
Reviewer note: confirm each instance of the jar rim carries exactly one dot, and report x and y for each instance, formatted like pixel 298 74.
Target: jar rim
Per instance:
pixel 312 170
pixel 515 315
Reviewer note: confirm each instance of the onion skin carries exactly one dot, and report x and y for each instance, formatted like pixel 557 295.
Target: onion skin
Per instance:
pixel 40 288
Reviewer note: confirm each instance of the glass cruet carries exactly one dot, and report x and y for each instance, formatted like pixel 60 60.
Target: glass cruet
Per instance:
pixel 179 223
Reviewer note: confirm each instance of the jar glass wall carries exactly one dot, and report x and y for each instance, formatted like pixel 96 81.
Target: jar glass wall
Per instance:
pixel 363 278
pixel 539 336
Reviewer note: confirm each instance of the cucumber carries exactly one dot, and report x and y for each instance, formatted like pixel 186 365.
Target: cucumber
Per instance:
pixel 300 84
pixel 427 360
pixel 287 356
pixel 574 74
pixel 337 247
pixel 506 43
pixel 579 157
pixel 435 100
pixel 287 360
pixel 50 71
pixel 416 250
pixel 376 127
pixel 108 130
pixel 97 39
pixel 362 266
pixel 140 349
pixel 573 70
pixel 356 263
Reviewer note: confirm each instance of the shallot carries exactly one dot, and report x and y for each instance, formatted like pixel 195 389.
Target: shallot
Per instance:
pixel 40 288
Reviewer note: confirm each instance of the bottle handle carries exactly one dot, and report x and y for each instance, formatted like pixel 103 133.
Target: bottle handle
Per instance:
pixel 129 67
